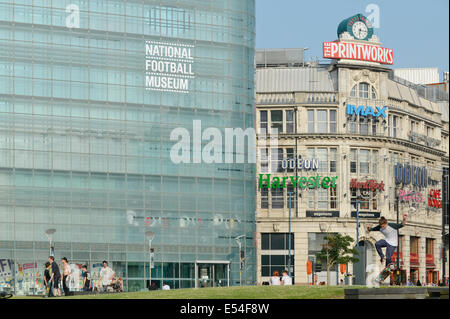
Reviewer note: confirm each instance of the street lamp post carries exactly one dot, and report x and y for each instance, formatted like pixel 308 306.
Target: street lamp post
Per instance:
pixel 357 219
pixel 398 279
pixel 150 235
pixel 289 237
pixel 238 240
pixel 49 232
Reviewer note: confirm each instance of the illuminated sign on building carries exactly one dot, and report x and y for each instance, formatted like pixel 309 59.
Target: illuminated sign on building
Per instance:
pixel 410 196
pixel 408 174
pixel 366 110
pixel 168 66
pixel 302 164
pixel 358 51
pixel 369 185
pixel 265 181
pixel 434 198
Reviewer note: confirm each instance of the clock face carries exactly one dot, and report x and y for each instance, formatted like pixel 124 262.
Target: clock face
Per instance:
pixel 360 30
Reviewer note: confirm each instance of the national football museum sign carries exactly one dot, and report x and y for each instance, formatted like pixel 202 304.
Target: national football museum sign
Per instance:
pixel 168 66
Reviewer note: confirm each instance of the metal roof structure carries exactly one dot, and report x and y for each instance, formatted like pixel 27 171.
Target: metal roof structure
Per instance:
pixel 307 79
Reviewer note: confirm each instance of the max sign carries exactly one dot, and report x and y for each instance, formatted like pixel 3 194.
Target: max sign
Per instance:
pixel 366 110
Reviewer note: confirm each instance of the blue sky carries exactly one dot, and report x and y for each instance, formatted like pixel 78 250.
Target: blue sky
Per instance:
pixel 416 30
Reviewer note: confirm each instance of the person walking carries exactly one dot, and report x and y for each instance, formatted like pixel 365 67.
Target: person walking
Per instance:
pixel 106 275
pixel 275 279
pixel 55 276
pixel 86 277
pixel 66 273
pixel 47 280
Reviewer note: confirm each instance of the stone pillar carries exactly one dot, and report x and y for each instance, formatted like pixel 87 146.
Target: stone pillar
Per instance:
pixel 422 260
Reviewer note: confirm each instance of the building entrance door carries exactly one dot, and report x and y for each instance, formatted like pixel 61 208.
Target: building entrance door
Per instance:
pixel 212 273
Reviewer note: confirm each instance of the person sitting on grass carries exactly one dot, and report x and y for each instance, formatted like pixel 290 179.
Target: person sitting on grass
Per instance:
pixel 275 279
pixel 286 280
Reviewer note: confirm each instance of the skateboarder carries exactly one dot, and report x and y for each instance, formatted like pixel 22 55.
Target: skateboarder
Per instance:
pixel 389 230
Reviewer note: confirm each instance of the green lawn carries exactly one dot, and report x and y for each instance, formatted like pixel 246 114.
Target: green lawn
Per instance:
pixel 251 292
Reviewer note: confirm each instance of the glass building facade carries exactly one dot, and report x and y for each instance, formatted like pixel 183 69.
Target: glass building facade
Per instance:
pixel 85 139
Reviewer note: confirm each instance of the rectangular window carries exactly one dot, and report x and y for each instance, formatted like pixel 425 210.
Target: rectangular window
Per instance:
pixel 277 198
pixel 364 160
pixel 290 189
pixel 276 241
pixel 333 121
pixel 414 245
pixel 289 121
pixel 333 160
pixel 394 126
pixel 364 126
pixel 311 121
pixel 353 160
pixel 322 155
pixel 322 121
pixel 264 198
pixel 374 127
pixel 276 159
pixel 276 118
pixel 263 122
pixel 264 162
pixel 375 160
pixel 290 155
pixel 429 246
pixel 333 198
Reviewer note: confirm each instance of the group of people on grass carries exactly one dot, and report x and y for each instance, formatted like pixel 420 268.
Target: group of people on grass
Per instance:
pixel 285 279
pixel 54 278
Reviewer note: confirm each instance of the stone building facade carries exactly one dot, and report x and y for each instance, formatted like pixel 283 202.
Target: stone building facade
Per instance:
pixel 358 122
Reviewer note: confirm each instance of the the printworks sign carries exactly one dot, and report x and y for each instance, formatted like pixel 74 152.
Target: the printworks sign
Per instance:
pixel 168 66
pixel 357 42
pixel 358 51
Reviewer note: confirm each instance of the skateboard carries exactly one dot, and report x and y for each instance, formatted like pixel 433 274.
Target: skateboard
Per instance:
pixel 385 272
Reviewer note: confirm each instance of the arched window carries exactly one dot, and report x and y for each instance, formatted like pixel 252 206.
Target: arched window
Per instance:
pixel 363 90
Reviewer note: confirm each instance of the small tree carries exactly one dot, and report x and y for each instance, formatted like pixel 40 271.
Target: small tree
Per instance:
pixel 337 250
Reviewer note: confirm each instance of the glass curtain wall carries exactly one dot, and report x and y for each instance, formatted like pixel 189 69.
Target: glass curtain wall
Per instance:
pixel 85 145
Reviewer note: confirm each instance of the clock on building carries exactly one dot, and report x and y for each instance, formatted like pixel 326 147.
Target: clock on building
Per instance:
pixel 358 26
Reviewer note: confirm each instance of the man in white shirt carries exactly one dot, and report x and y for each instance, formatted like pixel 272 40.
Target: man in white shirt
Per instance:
pixel 390 232
pixel 286 280
pixel 165 286
pixel 106 275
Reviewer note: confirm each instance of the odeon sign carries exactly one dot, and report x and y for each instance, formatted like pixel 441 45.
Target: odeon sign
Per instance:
pixel 408 174
pixel 302 164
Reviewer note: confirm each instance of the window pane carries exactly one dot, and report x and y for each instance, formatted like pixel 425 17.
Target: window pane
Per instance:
pixel 265 241
pixel 276 121
pixel 333 123
pixel 364 90
pixel 364 161
pixel 276 241
pixel 310 121
pixel 322 121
